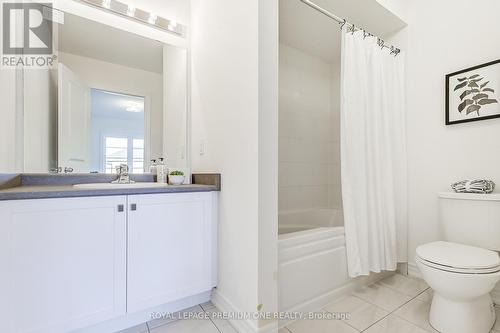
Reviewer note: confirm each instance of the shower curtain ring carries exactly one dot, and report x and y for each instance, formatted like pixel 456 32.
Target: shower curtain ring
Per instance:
pixel 342 24
pixel 381 43
pixel 352 29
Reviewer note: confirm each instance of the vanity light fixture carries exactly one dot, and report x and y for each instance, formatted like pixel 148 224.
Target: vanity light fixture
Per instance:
pixel 137 14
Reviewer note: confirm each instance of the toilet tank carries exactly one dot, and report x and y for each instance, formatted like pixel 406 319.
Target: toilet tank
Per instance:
pixel 471 219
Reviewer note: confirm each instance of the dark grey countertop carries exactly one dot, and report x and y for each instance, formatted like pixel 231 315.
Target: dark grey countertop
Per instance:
pixel 43 186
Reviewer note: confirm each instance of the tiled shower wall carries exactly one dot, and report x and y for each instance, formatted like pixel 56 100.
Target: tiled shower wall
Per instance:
pixel 309 132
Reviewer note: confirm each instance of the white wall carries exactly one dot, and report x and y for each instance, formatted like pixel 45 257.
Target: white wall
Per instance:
pixel 309 148
pixel 175 101
pixel 397 7
pixel 443 37
pixel 107 76
pixel 225 121
pixel 8 123
pixel 226 136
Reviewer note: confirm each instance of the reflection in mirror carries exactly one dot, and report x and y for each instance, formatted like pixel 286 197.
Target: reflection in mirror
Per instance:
pixel 114 97
pixel 117 131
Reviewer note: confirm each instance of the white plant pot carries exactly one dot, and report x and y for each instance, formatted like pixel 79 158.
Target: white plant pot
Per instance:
pixel 175 180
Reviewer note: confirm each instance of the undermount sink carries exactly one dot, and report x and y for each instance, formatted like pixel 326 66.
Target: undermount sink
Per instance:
pixel 105 186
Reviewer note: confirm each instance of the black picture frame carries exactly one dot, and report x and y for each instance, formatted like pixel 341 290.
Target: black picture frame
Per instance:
pixel 447 93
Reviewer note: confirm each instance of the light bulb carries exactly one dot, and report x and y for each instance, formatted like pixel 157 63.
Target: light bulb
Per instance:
pixel 131 11
pixel 152 18
pixel 172 25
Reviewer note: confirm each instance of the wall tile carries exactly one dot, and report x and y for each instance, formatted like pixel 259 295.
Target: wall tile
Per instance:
pixel 309 150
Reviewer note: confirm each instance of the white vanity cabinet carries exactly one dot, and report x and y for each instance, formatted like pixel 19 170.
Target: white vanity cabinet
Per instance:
pixel 67 264
pixel 63 263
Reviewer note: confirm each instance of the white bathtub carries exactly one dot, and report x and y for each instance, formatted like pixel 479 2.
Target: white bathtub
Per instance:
pixel 312 263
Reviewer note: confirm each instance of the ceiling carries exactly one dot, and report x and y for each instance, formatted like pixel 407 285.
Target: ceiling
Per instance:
pixel 307 29
pixel 91 39
pixel 113 105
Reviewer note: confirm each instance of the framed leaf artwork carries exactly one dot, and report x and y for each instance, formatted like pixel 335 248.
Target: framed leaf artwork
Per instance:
pixel 473 94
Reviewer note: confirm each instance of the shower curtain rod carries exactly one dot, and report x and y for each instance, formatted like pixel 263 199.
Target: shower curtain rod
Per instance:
pixel 394 50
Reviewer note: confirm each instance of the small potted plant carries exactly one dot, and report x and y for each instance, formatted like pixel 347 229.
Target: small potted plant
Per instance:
pixel 176 177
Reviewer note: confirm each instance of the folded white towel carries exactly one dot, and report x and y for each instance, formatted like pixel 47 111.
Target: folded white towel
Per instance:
pixel 474 186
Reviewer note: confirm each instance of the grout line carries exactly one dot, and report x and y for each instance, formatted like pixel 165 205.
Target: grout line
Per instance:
pixel 210 318
pixel 387 315
pixel 342 321
pixel 216 327
pixel 396 309
pixel 424 329
pixel 414 298
pixel 422 293
pixel 367 301
pixel 394 289
pixel 346 322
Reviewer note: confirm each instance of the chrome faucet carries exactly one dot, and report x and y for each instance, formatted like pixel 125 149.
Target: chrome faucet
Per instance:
pixel 123 176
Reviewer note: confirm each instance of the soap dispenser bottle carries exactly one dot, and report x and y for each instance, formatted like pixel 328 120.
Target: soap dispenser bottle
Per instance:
pixel 162 171
pixel 153 167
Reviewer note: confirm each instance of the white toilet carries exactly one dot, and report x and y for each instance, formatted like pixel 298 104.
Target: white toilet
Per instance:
pixel 463 269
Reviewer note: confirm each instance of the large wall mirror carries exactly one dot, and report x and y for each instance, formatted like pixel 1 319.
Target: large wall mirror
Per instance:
pixel 113 98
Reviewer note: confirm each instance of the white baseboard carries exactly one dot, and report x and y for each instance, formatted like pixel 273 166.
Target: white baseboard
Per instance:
pixel 133 319
pixel 402 268
pixel 243 325
pixel 413 270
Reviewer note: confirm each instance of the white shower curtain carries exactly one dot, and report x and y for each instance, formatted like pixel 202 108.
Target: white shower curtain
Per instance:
pixel 373 155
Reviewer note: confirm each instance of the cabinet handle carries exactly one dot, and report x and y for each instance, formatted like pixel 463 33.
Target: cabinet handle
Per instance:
pixel 121 208
pixel 133 207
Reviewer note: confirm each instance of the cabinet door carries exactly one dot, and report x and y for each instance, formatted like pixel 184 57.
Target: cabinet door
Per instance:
pixel 63 263
pixel 169 248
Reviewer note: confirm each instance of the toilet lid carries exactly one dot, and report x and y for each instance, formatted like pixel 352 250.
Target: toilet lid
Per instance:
pixel 459 256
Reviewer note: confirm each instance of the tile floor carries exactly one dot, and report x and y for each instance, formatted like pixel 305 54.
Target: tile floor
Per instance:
pixel 396 304
pixel 186 325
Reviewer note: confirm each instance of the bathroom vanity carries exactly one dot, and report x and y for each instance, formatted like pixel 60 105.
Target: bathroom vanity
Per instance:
pixel 100 260
pixel 79 253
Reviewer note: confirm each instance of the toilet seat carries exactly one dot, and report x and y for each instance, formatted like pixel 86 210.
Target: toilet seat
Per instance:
pixel 458 258
pixel 458 270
